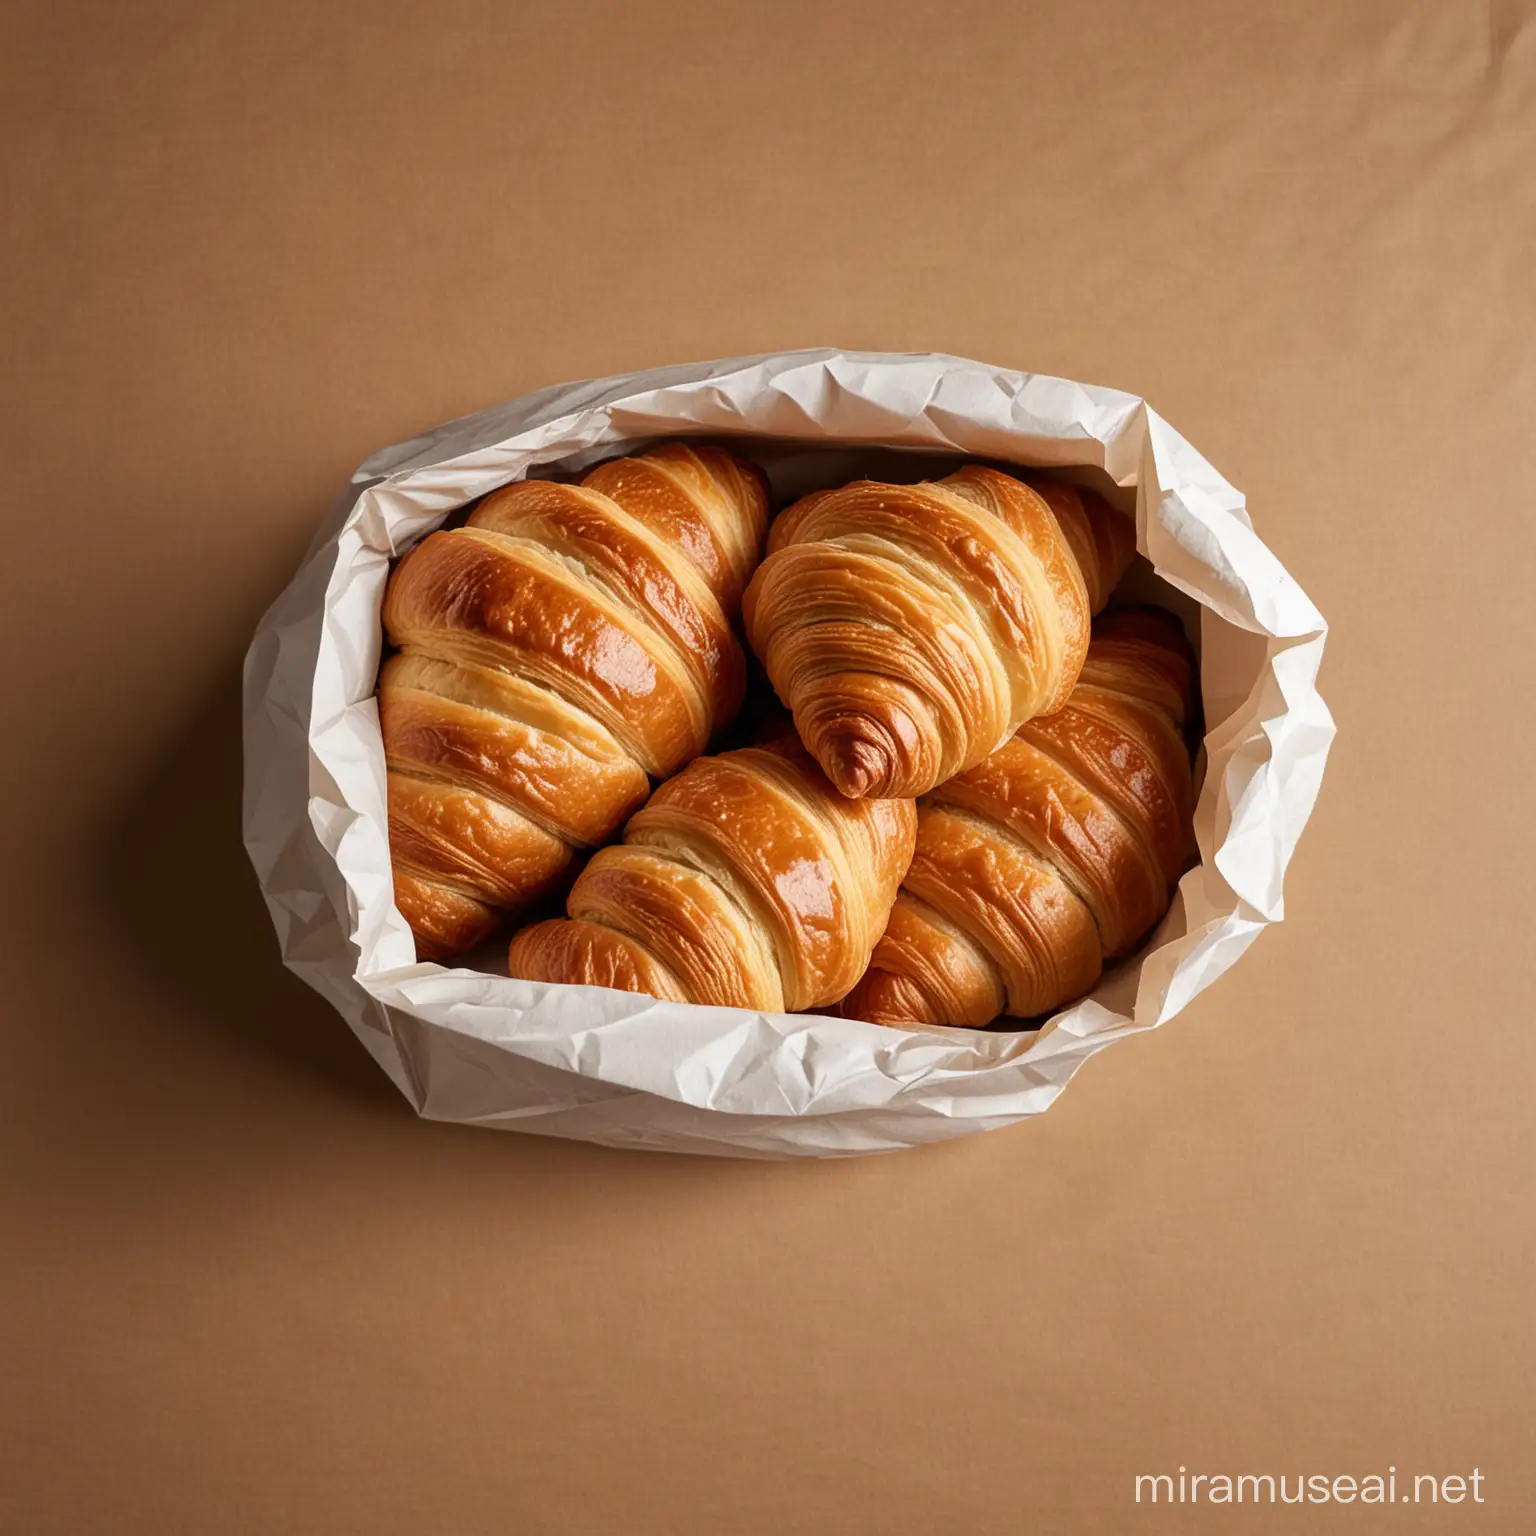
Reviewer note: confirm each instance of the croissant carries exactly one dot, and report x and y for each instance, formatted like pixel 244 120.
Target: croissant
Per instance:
pixel 562 648
pixel 912 629
pixel 747 881
pixel 1056 853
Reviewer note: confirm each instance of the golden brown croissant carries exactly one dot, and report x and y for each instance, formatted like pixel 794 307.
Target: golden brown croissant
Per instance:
pixel 912 629
pixel 1056 853
pixel 746 882
pixel 563 645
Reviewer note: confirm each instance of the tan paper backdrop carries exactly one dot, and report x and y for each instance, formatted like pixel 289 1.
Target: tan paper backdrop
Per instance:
pixel 241 1288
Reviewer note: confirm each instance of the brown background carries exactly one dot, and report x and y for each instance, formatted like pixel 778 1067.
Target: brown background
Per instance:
pixel 242 1289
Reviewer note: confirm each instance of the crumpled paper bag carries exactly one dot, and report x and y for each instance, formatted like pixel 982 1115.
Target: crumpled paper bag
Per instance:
pixel 624 1070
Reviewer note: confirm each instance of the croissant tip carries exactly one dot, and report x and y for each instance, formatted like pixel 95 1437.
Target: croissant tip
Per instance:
pixel 855 766
pixel 853 784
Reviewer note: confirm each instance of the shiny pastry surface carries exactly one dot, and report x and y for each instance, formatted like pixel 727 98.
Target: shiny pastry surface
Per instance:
pixel 565 646
pixel 747 881
pixel 1057 853
pixel 912 629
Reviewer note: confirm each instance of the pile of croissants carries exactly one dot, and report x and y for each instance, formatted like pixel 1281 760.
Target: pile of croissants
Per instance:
pixel 978 794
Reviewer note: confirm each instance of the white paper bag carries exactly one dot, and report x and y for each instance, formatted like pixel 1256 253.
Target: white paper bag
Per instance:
pixel 625 1070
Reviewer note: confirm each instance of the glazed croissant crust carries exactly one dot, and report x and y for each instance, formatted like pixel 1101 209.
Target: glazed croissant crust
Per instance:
pixel 747 881
pixel 562 648
pixel 912 629
pixel 1055 854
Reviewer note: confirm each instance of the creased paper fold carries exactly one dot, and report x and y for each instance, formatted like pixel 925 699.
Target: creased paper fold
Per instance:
pixel 624 1070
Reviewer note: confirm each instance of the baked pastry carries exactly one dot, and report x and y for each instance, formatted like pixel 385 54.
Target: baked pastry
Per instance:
pixel 565 646
pixel 1058 852
pixel 746 882
pixel 912 629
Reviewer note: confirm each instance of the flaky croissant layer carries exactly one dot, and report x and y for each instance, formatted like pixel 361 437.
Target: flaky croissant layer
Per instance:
pixel 747 881
pixel 912 629
pixel 1056 853
pixel 565 645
